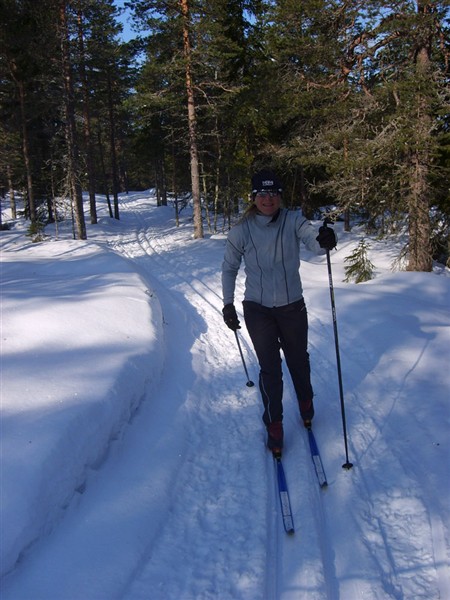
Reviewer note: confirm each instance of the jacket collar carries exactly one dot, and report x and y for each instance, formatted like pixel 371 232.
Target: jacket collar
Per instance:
pixel 268 219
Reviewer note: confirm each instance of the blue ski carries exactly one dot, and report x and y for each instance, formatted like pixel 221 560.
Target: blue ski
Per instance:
pixel 317 461
pixel 285 502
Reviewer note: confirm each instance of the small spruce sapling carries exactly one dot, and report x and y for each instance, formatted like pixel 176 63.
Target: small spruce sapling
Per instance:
pixel 36 231
pixel 359 266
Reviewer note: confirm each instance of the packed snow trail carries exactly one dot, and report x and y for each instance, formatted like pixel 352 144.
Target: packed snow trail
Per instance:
pixel 243 469
pixel 185 506
pixel 207 528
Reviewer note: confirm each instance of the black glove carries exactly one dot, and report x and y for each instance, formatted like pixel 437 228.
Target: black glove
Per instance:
pixel 230 317
pixel 326 238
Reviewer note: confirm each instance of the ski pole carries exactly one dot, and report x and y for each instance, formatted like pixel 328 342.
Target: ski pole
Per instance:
pixel 249 382
pixel 347 465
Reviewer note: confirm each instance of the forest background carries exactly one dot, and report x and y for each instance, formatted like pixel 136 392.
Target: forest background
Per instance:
pixel 347 100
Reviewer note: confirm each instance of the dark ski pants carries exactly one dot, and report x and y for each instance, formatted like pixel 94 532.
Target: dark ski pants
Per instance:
pixel 271 330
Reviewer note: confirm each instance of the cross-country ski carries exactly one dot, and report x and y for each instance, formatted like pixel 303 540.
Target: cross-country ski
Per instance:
pixel 285 502
pixel 316 459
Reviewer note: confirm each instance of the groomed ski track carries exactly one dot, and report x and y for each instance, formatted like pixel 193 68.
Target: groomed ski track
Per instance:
pixel 192 487
pixel 261 561
pixel 253 557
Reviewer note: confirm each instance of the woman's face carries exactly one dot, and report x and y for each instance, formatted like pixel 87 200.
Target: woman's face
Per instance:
pixel 268 203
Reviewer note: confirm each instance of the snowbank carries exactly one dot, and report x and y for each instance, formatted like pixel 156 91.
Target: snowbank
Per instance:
pixel 81 344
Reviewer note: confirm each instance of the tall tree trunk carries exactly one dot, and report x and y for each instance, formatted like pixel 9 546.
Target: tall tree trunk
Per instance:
pixel 104 175
pixel 112 138
pixel 164 180
pixel 205 194
pixel 174 178
pixel 72 147
pixel 26 156
pixel 87 121
pixel 420 252
pixel 217 171
pixel 12 198
pixel 25 144
pixel 192 124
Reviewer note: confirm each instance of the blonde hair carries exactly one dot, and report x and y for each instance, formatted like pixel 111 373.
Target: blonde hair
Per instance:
pixel 250 211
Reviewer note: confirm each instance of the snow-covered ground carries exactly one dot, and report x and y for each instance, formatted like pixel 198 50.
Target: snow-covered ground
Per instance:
pixel 133 454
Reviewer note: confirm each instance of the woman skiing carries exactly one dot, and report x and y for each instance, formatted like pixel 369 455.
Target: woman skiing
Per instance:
pixel 268 240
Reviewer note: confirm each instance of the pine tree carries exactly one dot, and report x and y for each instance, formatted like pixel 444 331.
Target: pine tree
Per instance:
pixel 359 268
pixel 108 78
pixel 73 159
pixel 172 24
pixel 361 90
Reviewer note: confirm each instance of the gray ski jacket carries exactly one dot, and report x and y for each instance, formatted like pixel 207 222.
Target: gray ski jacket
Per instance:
pixel 270 247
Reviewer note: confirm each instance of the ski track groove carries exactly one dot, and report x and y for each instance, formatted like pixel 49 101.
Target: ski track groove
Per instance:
pixel 193 478
pixel 168 272
pixel 314 522
pixel 309 524
pixel 280 538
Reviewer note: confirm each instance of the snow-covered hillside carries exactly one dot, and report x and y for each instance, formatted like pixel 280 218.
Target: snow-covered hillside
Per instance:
pixel 133 454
